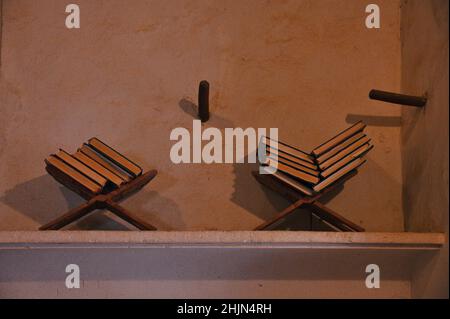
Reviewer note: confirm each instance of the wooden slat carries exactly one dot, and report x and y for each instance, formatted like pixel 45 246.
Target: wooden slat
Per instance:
pixel 81 167
pixel 340 147
pixel 85 149
pixel 114 156
pixel 73 176
pixel 328 145
pixel 100 169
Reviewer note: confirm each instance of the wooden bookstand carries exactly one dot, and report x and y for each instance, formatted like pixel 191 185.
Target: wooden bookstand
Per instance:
pixel 102 201
pixel 307 202
pixel 106 199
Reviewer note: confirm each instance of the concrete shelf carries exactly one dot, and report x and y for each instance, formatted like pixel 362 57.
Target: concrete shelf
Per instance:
pixel 221 239
pixel 221 264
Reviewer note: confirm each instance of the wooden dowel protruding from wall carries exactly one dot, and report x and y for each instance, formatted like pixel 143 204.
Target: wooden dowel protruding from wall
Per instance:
pixel 417 101
pixel 203 101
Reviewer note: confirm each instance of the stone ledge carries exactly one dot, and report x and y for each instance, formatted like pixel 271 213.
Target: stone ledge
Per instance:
pixel 238 239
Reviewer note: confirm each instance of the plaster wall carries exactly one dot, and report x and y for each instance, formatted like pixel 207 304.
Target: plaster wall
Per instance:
pixel 425 134
pixel 1 23
pixel 129 76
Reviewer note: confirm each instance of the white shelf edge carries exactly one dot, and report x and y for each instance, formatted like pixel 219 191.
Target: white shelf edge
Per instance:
pixel 220 239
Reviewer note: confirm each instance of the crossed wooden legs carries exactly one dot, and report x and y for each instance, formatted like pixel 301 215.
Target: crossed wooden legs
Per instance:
pixel 319 210
pixel 309 203
pixel 107 201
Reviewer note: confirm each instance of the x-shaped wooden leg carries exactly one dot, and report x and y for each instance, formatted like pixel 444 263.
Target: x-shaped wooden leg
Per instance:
pixel 309 203
pixel 107 201
pixel 319 210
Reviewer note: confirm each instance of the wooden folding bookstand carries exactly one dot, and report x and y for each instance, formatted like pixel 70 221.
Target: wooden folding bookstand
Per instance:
pixel 307 202
pixel 101 201
pixel 107 199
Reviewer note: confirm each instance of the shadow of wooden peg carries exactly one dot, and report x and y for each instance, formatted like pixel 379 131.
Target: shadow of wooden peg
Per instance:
pixel 396 98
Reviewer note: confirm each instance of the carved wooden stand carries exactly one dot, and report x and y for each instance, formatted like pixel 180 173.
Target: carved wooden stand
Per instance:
pixel 307 202
pixel 100 201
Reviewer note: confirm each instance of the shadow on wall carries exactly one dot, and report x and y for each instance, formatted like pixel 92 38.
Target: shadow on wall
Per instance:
pixel 158 210
pixel 100 220
pixel 43 199
pixel 372 182
pixel 251 195
pixel 215 120
pixel 373 120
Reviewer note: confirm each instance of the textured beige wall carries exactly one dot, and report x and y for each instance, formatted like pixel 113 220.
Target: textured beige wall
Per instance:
pixel 304 66
pixel 1 23
pixel 425 133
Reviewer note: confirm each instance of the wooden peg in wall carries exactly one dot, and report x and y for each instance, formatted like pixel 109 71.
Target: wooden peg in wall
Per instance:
pixel 417 101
